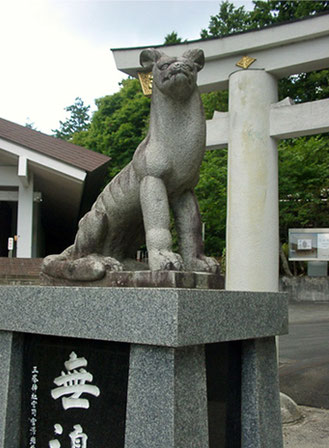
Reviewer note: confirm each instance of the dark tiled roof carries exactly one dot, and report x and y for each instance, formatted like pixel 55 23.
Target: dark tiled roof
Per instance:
pixel 55 148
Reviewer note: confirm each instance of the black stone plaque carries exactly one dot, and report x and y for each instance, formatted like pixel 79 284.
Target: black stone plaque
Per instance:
pixel 96 378
pixel 223 364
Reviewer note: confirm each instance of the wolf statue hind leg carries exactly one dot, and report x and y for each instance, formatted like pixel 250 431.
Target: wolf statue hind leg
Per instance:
pixel 82 261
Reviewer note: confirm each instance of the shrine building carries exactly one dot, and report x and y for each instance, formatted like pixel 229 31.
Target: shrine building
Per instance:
pixel 46 186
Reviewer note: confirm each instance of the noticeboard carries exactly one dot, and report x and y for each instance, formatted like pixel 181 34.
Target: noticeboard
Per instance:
pixel 309 244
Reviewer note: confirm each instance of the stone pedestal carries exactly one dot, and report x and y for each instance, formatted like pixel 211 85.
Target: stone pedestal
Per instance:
pixel 167 398
pixel 176 397
pixel 260 401
pixel 5 358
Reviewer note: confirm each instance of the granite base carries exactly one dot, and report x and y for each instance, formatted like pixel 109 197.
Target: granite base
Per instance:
pixel 260 399
pixel 167 398
pixel 171 395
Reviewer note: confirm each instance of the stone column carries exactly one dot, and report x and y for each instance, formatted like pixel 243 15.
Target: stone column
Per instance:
pixel 25 219
pixel 260 400
pixel 5 364
pixel 167 398
pixel 252 242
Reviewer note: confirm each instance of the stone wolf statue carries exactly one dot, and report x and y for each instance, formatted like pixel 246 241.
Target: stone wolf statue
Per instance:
pixel 134 208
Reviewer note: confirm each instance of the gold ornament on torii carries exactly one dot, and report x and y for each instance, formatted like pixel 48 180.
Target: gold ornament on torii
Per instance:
pixel 245 62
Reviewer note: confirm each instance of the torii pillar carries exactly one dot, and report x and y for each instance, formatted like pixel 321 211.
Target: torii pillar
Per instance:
pixel 252 243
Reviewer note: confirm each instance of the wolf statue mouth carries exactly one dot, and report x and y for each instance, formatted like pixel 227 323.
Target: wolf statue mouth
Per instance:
pixel 173 75
pixel 178 72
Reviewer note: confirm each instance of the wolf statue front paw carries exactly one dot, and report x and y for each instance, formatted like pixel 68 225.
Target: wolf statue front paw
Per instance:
pixel 110 263
pixel 80 269
pixel 165 260
pixel 84 269
pixel 203 264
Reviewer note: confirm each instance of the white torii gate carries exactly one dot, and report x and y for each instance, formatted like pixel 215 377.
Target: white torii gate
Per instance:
pixel 251 128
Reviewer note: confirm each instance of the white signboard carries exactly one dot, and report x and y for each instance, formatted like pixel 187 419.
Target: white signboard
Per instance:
pixel 323 246
pixel 309 244
pixel 304 244
pixel 10 243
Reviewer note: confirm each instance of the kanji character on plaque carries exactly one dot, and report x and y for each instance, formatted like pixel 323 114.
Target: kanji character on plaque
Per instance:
pixel 73 383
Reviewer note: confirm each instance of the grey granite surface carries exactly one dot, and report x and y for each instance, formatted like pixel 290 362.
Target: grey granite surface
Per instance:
pixel 5 359
pixel 165 317
pixel 167 398
pixel 260 397
pixel 14 397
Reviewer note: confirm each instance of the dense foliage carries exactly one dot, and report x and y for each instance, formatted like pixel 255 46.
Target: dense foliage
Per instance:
pixel 118 125
pixel 172 38
pixel 304 183
pixel 231 20
pixel 211 193
pixel 78 120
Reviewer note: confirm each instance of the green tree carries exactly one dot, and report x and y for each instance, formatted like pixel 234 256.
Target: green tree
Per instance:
pixel 172 38
pixel 211 194
pixel 229 20
pixel 271 12
pixel 303 183
pixel 78 121
pixel 215 101
pixel 118 126
pixel 30 124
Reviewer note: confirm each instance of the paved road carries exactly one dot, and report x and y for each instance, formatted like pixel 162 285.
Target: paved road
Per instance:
pixel 304 355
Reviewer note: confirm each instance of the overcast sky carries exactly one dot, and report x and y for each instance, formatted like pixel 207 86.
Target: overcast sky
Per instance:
pixel 53 51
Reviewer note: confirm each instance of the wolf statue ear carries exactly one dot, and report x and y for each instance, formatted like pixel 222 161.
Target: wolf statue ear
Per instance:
pixel 196 56
pixel 148 57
